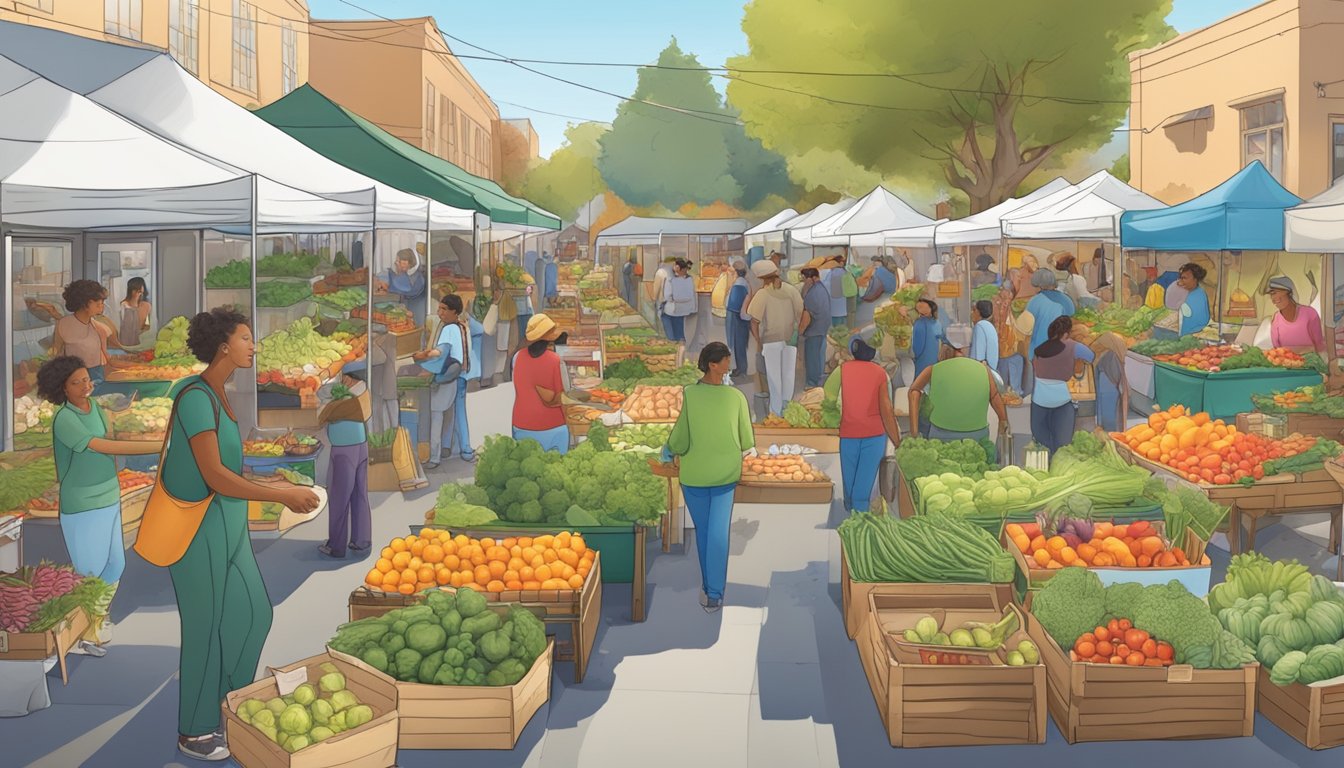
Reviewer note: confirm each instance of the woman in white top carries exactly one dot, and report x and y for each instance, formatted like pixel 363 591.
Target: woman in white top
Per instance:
pixel 678 303
pixel 1076 285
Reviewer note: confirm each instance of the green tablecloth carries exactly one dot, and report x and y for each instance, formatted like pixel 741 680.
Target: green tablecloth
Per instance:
pixel 1224 394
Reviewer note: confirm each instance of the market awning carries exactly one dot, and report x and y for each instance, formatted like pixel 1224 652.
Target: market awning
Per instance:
pixel 800 228
pixel 1246 212
pixel 636 228
pixel 983 228
pixel 150 89
pixel 1090 213
pixel 68 163
pixel 1203 113
pixel 878 211
pixel 773 223
pixel 1317 226
pixel 356 143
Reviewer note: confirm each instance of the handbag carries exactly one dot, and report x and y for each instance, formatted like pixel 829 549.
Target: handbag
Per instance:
pixel 169 524
pixel 491 320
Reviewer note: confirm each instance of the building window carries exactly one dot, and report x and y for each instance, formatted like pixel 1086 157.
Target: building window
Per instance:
pixel 244 46
pixel 122 18
pixel 1262 136
pixel 289 58
pixel 452 133
pixel 1337 145
pixel 464 136
pixel 445 128
pixel 431 96
pixel 184 32
pixel 48 6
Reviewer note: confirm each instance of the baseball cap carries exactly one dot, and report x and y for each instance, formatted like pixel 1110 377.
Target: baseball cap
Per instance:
pixel 958 337
pixel 764 268
pixel 1281 283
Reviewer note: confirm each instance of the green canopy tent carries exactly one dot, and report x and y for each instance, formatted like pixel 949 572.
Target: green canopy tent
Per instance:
pixel 354 142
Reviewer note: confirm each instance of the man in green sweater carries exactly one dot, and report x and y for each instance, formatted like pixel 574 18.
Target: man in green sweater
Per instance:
pixel 712 433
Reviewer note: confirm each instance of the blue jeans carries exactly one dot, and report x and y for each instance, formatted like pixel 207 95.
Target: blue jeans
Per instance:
pixel 94 541
pixel 674 328
pixel 1010 368
pixel 711 510
pixel 1109 417
pixel 859 459
pixel 814 359
pixel 738 333
pixel 460 424
pixel 555 439
pixel 1053 427
pixel 839 322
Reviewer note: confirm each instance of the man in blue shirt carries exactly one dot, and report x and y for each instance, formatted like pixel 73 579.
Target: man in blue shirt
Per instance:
pixel 550 281
pixel 405 280
pixel 737 324
pixel 984 337
pixel 813 327
pixel 1044 307
pixel 448 392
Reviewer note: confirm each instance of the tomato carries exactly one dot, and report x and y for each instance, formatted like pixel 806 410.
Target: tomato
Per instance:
pixel 1126 624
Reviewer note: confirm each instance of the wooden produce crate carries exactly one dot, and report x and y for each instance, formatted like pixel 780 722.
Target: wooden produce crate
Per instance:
pixel 1312 714
pixel 1102 702
pixel 942 706
pixel 466 717
pixel 580 609
pixel 819 440
pixel 854 596
pixel 132 512
pixel 752 492
pixel 39 646
pixel 409 342
pixel 1195 578
pixel 905 497
pixel 371 745
pixel 1313 424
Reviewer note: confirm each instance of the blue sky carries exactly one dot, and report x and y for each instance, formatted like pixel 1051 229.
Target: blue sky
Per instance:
pixel 603 31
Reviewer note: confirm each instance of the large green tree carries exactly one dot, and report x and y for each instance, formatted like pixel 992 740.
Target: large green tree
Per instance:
pixel 675 141
pixel 976 94
pixel 569 177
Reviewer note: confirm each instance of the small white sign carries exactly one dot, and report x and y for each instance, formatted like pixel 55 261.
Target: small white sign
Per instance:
pixel 4 641
pixel 288 681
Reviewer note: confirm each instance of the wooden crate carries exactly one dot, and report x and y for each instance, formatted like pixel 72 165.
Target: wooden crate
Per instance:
pixel 750 492
pixel 580 609
pixel 943 706
pixel 39 646
pixel 467 717
pixel 854 596
pixel 819 440
pixel 1306 423
pixel 371 745
pixel 1314 715
pixel 905 497
pixel 1101 702
pixel 1195 577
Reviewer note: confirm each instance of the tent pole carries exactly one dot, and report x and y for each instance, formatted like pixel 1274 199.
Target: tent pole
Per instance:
pixel 256 415
pixel 7 324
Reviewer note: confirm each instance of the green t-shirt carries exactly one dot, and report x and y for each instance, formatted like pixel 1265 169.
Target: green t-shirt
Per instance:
pixel 959 389
pixel 88 479
pixel 198 411
pixel 710 435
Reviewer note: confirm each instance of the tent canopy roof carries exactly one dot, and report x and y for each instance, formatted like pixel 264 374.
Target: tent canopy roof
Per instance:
pixel 352 141
pixel 1317 225
pixel 638 227
pixel 1246 212
pixel 985 227
pixel 1092 212
pixel 878 211
pixel 772 224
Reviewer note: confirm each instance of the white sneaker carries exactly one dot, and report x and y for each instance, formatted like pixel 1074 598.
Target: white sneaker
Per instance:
pixel 210 747
pixel 90 649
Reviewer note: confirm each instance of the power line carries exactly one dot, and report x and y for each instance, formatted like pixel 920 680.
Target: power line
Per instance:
pixel 554 114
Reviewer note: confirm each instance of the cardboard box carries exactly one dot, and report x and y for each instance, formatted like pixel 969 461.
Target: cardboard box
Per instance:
pixel 39 646
pixel 372 745
pixel 941 706
pixel 749 492
pixel 1103 702
pixel 854 596
pixel 467 717
pixel 819 440
pixel 1312 714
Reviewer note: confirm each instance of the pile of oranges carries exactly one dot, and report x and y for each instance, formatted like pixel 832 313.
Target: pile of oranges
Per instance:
pixel 1136 545
pixel 438 559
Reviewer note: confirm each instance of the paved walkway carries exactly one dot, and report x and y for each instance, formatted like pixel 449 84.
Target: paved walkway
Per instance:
pixel 770 681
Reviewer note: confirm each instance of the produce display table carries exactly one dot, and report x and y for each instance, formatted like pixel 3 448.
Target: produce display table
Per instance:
pixel 756 492
pixel 1223 394
pixel 1139 372
pixel 1312 714
pixel 39 646
pixel 819 440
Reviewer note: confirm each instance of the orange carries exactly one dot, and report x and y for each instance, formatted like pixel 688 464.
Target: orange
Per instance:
pixel 524 541
pixel 497 569
pixel 443 577
pixel 425 573
pixel 583 570
pixel 1042 558
pixel 406 589
pixel 398 545
pixel 482 574
pixel 538 561
pixel 569 557
pixel 550 556
pixel 383 565
pixel 516 564
pixel 578 545
pixel 401 560
pixel 387 553
pixel 576 581
pixel 478 558
pixel 391 580
pixel 1056 543
pixel 528 554
pixel 495 586
pixel 409 576
pixel 461 540
pixel 374 578
pixel 562 540
pixel 433 553
pixel 531 585
pixel 515 584
pixel 544 541
pixel 509 543
pixel 455 579
pixel 487 542
pixel 421 586
pixel 452 562
pixel 449 547
pixel 543 573
pixel 511 576
pixel 526 573
pixel 566 572
pixel 415 563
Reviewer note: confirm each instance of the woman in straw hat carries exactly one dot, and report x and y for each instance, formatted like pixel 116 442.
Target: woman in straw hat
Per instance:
pixel 538 384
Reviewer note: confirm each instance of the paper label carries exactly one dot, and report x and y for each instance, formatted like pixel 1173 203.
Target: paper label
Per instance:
pixel 288 681
pixel 4 641
pixel 1180 673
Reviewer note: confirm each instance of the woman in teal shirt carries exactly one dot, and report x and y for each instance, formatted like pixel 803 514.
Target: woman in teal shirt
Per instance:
pixel 222 603
pixel 710 436
pixel 90 496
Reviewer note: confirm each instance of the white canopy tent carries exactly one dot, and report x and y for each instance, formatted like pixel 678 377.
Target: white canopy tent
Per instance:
pixel 877 212
pixel 1317 225
pixel 152 90
pixel 772 225
pixel 984 228
pixel 1092 212
pixel 799 229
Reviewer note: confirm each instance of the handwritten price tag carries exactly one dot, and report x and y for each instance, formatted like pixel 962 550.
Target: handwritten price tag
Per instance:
pixel 288 681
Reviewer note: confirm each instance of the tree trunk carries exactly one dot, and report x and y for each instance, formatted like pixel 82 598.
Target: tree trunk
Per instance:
pixel 994 179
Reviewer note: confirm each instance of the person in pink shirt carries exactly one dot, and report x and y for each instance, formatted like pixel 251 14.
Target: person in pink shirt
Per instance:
pixel 1295 326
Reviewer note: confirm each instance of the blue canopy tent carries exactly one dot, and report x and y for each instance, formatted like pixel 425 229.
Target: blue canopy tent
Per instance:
pixel 1244 213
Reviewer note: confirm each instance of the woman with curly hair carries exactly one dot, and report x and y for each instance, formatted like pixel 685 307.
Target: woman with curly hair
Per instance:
pixel 79 334
pixel 90 496
pixel 221 601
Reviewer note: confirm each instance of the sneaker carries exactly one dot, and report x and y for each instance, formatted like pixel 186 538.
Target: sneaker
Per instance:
pixel 431 465
pixel 209 747
pixel 326 550
pixel 92 649
pixel 470 458
pixel 359 547
pixel 713 604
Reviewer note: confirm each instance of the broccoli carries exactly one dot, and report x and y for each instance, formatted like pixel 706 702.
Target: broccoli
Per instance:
pixel 429 667
pixel 529 635
pixel 494 646
pixel 406 665
pixel 470 602
pixel 440 602
pixel 509 672
pixel 1170 612
pixel 391 643
pixel 527 512
pixel 1074 602
pixel 554 504
pixel 426 638
pixel 1120 599
pixel 523 488
pixel 477 626
pixel 375 657
pixel 452 622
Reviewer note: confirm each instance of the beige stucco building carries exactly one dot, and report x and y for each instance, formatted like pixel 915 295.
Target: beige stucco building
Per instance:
pixel 252 51
pixel 1266 84
pixel 402 76
pixel 524 126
